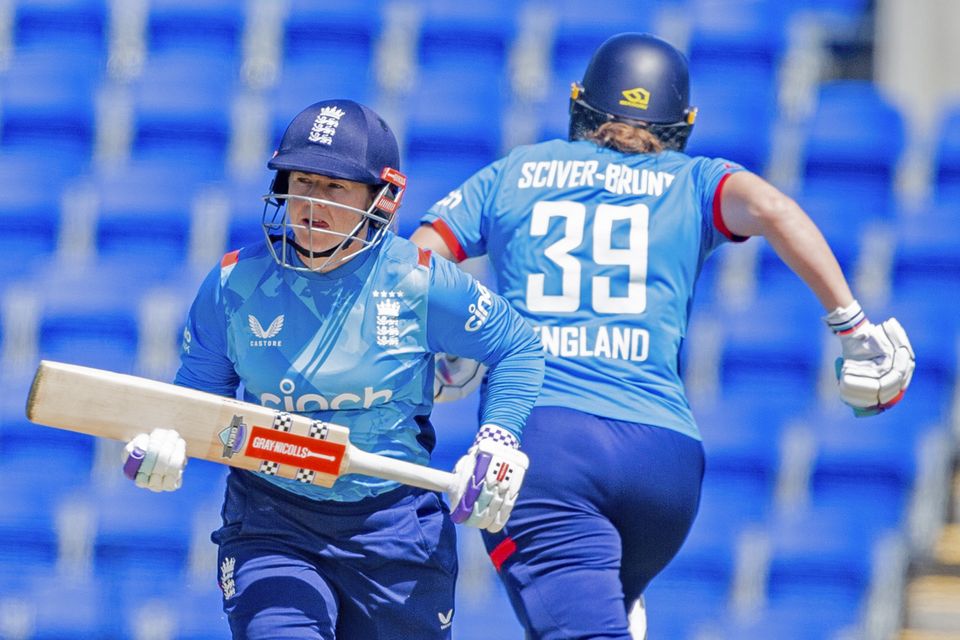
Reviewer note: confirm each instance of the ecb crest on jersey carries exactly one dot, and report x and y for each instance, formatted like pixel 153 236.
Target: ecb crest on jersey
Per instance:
pixel 388 318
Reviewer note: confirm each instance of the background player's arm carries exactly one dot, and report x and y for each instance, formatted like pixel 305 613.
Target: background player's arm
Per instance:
pixel 751 206
pixel 878 361
pixel 426 237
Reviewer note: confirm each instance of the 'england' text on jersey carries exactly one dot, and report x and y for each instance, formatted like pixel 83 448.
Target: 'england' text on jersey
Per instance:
pixel 620 343
pixel 618 178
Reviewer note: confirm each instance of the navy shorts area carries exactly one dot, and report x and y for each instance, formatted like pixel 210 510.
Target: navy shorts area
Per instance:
pixel 291 567
pixel 605 505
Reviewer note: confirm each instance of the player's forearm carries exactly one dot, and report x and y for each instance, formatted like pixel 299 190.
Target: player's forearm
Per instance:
pixel 803 248
pixel 426 237
pixel 751 206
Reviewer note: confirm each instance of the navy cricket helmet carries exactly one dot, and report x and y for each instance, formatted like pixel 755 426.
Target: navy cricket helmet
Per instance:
pixel 339 139
pixel 336 138
pixel 638 79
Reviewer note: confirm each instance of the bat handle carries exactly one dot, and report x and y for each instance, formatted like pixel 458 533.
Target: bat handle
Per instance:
pixel 416 475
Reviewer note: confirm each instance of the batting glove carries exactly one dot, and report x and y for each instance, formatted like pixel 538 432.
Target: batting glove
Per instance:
pixel 455 377
pixel 155 461
pixel 488 480
pixel 877 363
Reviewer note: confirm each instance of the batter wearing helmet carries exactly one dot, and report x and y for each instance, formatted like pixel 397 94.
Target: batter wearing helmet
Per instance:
pixel 335 317
pixel 598 241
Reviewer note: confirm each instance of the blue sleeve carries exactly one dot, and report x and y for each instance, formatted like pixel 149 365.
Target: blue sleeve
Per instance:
pixel 462 217
pixel 711 174
pixel 465 318
pixel 204 360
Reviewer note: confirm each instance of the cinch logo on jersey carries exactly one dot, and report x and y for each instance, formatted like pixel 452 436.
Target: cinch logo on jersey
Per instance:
pixel 265 335
pixel 617 178
pixel 614 343
pixel 315 402
pixel 325 125
pixel 479 311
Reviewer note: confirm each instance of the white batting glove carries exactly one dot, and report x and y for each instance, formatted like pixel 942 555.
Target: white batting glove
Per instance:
pixel 455 377
pixel 489 477
pixel 156 461
pixel 877 363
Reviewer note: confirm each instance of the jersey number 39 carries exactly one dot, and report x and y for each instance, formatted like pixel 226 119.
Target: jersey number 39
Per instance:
pixel 634 257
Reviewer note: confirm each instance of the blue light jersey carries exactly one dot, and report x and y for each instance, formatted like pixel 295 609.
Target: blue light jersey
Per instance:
pixel 355 347
pixel 600 251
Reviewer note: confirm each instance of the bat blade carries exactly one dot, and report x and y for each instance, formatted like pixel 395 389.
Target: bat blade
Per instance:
pixel 223 430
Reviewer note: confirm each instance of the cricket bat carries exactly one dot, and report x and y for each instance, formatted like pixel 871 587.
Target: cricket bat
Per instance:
pixel 224 430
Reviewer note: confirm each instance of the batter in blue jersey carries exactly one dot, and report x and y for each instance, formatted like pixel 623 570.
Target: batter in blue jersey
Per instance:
pixel 598 242
pixel 336 318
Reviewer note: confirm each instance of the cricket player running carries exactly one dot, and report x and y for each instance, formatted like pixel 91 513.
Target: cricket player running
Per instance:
pixel 335 317
pixel 598 242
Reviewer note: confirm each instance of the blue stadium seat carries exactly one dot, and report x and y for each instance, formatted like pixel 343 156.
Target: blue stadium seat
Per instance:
pixel 696 585
pixel 99 333
pixel 842 219
pixel 584 26
pixel 734 37
pixel 854 142
pixel 452 115
pixel 140 531
pixel 30 205
pixel 841 17
pixel 820 560
pixel 145 213
pixel 28 533
pixel 195 610
pixel 67 607
pixel 64 26
pixel 474 36
pixel 205 27
pixel 47 102
pixel 735 119
pixel 182 109
pixel 783 360
pixel 854 460
pixel 816 619
pixel 331 33
pixel 740 440
pixel 946 158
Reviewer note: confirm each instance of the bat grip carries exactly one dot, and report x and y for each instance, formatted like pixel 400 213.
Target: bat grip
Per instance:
pixel 416 475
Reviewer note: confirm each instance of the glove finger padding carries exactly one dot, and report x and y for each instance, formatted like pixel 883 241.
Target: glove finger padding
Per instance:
pixel 877 367
pixel 489 479
pixel 156 461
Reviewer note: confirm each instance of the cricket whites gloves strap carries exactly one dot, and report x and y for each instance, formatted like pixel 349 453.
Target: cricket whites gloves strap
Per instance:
pixel 877 362
pixel 489 477
pixel 156 460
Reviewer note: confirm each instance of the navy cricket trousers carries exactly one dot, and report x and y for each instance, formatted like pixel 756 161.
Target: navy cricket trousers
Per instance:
pixel 291 567
pixel 605 505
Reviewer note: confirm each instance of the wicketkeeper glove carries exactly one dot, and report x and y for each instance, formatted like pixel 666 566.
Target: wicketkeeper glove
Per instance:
pixel 877 363
pixel 489 477
pixel 156 460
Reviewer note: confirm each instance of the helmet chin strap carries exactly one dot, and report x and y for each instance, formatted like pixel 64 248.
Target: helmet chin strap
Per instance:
pixel 306 253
